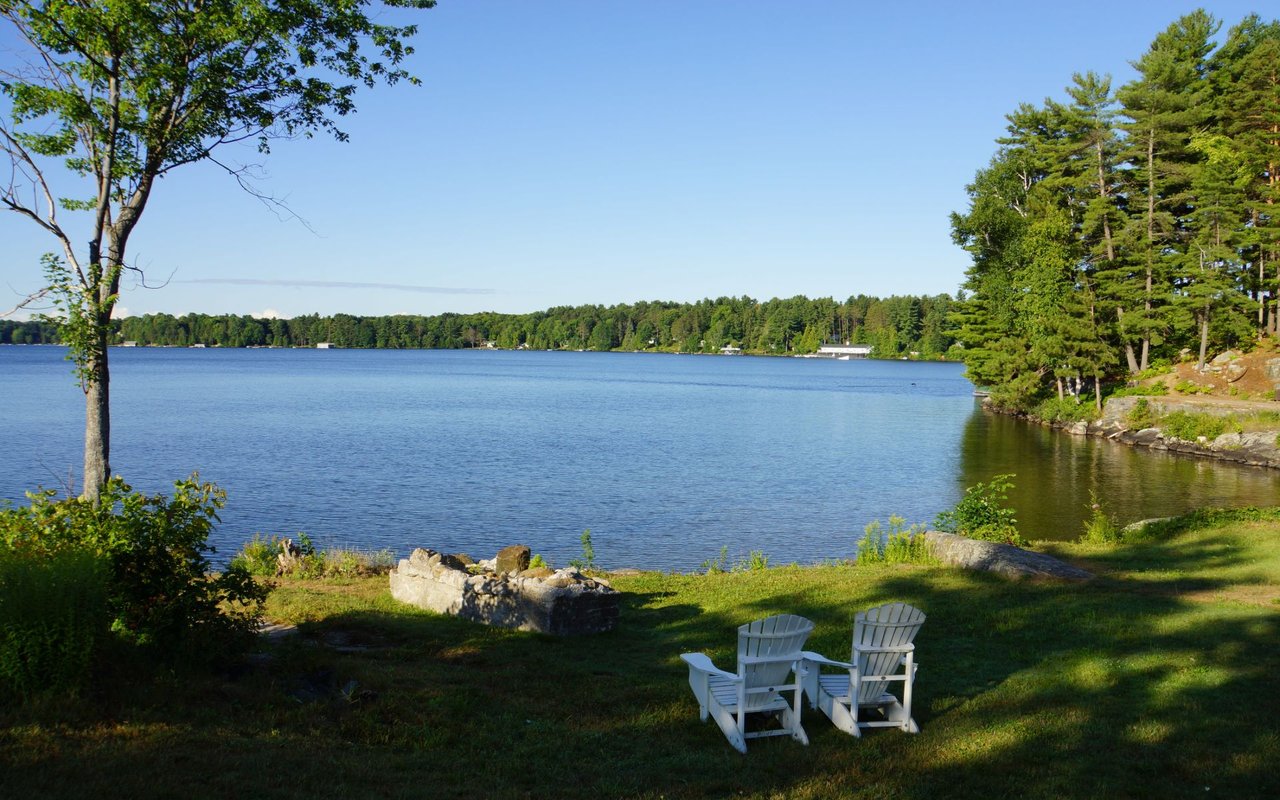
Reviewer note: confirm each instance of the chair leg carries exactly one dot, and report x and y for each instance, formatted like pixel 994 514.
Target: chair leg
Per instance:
pixel 809 682
pixel 838 713
pixel 729 727
pixel 791 719
pixel 907 686
pixel 898 713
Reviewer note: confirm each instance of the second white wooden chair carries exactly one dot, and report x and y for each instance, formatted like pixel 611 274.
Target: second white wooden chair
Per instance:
pixel 883 651
pixel 769 653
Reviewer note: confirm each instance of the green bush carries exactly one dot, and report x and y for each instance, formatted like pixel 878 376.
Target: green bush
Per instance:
pixel 1189 426
pixel 588 560
pixel 1153 390
pixel 1142 416
pixel 53 616
pixel 344 563
pixel 982 513
pixel 1189 387
pixel 716 565
pixel 899 546
pixel 160 589
pixel 1100 527
pixel 1158 366
pixel 1065 410
pixel 756 561
pixel 261 556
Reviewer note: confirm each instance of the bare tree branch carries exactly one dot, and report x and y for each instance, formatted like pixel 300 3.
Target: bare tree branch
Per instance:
pixel 27 301
pixel 276 205
pixel 21 161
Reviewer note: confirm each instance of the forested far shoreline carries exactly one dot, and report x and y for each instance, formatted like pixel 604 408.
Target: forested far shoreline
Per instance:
pixel 895 327
pixel 1116 231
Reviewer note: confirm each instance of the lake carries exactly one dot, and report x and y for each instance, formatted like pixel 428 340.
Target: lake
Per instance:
pixel 665 458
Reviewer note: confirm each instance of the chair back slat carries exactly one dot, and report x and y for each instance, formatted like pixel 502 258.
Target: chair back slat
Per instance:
pixel 889 625
pixel 778 636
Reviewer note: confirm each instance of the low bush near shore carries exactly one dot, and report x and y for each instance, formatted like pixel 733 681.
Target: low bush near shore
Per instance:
pixel 260 556
pixel 983 513
pixel 1068 409
pixel 898 545
pixel 160 590
pixel 53 616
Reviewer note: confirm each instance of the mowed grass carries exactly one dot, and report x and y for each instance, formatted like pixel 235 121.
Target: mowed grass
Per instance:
pixel 1159 679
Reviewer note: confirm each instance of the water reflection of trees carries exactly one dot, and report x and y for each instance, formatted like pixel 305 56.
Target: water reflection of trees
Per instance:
pixel 1057 472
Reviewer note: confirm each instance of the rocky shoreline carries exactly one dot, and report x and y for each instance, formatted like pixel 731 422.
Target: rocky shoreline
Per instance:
pixel 1255 448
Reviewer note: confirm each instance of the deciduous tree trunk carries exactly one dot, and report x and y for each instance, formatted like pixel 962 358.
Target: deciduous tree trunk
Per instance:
pixel 97 426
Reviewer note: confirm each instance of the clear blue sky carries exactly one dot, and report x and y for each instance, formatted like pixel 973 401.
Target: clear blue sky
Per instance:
pixel 591 151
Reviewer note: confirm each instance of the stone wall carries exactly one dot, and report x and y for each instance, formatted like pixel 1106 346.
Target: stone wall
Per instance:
pixel 560 602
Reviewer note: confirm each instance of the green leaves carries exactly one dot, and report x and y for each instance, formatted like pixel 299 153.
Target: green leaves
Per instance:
pixel 1104 238
pixel 161 589
pixel 983 514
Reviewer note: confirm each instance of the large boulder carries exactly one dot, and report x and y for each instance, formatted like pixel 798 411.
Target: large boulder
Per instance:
pixel 1004 559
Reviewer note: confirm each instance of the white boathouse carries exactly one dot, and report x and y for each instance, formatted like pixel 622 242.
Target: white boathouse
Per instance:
pixel 845 351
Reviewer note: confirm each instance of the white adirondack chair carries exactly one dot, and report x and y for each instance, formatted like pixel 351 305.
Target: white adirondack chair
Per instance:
pixel 882 652
pixel 769 652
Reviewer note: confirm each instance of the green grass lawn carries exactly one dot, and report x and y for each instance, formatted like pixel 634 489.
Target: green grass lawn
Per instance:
pixel 1159 679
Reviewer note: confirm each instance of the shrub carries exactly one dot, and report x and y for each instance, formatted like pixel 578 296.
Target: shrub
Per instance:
pixel 538 561
pixel 160 590
pixel 588 560
pixel 345 563
pixel 1158 366
pixel 757 561
pixel 1190 426
pixel 715 565
pixel 982 513
pixel 1190 387
pixel 53 616
pixel 1065 410
pixel 899 546
pixel 1152 390
pixel 1100 527
pixel 260 556
pixel 1142 415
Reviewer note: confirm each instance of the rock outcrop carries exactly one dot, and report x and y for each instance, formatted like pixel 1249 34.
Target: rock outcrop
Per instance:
pixel 561 602
pixel 1004 559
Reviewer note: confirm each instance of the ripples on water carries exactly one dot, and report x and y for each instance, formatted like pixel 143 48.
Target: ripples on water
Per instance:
pixel 665 458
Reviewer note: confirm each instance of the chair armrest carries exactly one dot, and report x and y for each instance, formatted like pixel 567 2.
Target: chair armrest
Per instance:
pixel 701 663
pixel 818 658
pixel 753 660
pixel 901 648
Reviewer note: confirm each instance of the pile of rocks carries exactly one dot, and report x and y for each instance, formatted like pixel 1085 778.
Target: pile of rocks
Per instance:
pixel 506 593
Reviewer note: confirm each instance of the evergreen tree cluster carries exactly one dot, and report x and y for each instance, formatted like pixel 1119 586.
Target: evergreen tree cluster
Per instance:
pixel 1115 229
pixel 894 327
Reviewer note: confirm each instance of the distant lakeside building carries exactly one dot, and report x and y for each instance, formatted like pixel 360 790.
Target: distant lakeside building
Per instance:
pixel 845 350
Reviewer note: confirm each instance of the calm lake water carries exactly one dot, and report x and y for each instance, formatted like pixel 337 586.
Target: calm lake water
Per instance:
pixel 665 458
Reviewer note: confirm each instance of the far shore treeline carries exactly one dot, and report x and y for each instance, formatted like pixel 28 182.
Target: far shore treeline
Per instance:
pixel 900 326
